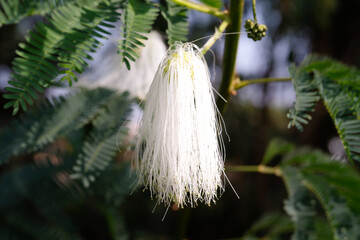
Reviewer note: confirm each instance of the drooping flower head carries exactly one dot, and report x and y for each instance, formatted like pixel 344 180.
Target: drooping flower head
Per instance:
pixel 178 155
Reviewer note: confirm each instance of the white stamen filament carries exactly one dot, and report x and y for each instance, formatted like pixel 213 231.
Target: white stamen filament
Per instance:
pixel 179 151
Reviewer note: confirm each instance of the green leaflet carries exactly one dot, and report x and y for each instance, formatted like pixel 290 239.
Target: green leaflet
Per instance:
pixel 275 148
pixel 340 106
pixel 46 123
pixel 79 109
pixel 340 176
pixel 60 46
pixel 12 11
pixel 338 86
pixel 138 18
pixel 300 205
pixel 345 224
pixel 271 225
pixel 100 147
pixel 335 186
pixel 93 115
pixel 96 155
pixel 49 215
pixel 116 223
pixel 176 17
pixel 306 97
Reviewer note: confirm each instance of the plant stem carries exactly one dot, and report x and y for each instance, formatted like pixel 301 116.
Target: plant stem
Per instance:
pixel 240 84
pixel 230 52
pixel 202 8
pixel 255 168
pixel 254 10
pixel 215 37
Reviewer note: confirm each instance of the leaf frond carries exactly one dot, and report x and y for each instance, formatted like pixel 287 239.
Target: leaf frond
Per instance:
pixel 344 222
pixel 338 86
pixel 300 205
pixel 12 11
pixel 306 97
pixel 334 184
pixel 47 122
pixel 138 18
pixel 100 147
pixel 58 47
pixel 177 22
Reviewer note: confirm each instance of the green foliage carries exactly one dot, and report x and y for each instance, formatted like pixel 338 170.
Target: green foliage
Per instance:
pixel 46 151
pixel 38 202
pixel 271 226
pixel 306 97
pixel 178 25
pixel 338 86
pixel 47 122
pixel 338 175
pixel 300 205
pixel 312 178
pixel 73 113
pixel 340 106
pixel 138 18
pixel 276 147
pixel 12 11
pixel 38 193
pixel 60 46
pixel 101 110
pixel 344 222
pixel 31 184
pixel 100 147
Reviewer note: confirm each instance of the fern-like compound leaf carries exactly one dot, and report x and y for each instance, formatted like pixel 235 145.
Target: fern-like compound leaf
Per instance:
pixel 340 106
pixel 47 122
pixel 338 86
pixel 344 222
pixel 271 225
pixel 138 18
pixel 58 47
pixel 306 98
pixel 275 148
pixel 101 146
pixel 12 11
pixel 72 114
pixel 19 136
pixel 333 183
pixel 300 205
pixel 178 25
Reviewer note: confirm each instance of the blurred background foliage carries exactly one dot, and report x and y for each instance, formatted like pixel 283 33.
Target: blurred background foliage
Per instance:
pixel 52 186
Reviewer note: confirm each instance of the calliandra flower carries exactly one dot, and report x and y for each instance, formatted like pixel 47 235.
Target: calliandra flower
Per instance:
pixel 179 150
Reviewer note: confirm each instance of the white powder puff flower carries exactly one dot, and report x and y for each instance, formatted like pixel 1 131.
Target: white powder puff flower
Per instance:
pixel 179 150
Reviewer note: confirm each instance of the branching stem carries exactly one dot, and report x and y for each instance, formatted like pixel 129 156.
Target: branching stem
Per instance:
pixel 240 84
pixel 255 168
pixel 202 8
pixel 216 36
pixel 254 10
pixel 230 52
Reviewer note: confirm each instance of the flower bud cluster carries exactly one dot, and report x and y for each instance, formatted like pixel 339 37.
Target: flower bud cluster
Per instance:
pixel 254 30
